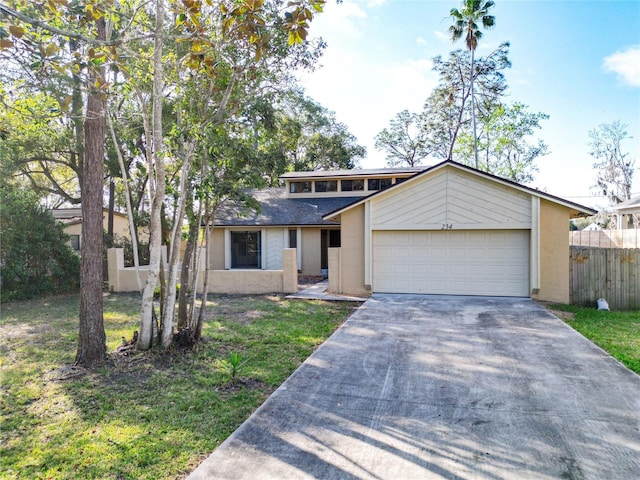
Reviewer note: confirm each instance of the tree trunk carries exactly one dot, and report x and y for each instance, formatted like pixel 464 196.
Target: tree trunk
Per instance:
pixel 157 183
pixel 92 347
pixel 205 283
pixel 77 106
pixel 112 206
pixel 473 112
pixel 184 296
pixel 127 196
pixel 195 277
pixel 174 254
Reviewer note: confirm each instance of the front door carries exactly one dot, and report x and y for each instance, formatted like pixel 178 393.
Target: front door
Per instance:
pixel 328 239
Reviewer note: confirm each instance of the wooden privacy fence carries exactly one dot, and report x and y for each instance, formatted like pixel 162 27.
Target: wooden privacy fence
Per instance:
pixel 609 273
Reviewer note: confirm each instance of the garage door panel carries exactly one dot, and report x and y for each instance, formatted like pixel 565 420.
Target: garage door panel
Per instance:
pixel 452 262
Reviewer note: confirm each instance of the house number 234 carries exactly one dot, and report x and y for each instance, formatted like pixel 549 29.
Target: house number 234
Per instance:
pixel 447 226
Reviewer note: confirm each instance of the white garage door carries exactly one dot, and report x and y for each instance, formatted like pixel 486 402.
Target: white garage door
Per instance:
pixel 471 262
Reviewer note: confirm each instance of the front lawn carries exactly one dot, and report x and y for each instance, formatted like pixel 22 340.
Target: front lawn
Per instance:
pixel 143 415
pixel 616 332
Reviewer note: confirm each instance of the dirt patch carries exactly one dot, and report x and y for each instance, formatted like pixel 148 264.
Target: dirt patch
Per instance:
pixel 562 315
pixel 238 384
pixel 241 317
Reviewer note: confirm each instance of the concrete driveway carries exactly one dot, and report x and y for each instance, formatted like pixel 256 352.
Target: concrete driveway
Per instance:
pixel 434 387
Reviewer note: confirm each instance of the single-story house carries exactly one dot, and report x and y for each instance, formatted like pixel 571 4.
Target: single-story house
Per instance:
pixel 629 207
pixel 71 218
pixel 445 229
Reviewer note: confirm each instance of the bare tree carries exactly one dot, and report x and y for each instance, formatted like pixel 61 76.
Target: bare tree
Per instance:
pixel 614 168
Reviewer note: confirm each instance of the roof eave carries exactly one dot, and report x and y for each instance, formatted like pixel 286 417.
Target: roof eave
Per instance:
pixel 576 209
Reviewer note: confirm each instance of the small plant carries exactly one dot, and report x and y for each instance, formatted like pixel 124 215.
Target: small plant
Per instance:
pixel 234 363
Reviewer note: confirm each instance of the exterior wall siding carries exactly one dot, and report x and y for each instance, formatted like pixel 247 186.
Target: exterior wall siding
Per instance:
pixel 451 198
pixel 554 253
pixel 274 243
pixel 239 281
pixel 352 252
pixel 216 249
pixel 310 251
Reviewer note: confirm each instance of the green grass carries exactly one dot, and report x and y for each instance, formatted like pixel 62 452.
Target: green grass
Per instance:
pixel 147 415
pixel 617 332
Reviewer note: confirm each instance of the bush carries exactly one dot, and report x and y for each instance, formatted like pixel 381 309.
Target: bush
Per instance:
pixel 35 256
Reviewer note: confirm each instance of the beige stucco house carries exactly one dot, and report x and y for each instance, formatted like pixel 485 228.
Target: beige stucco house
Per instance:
pixel 446 229
pixel 71 218
pixel 452 229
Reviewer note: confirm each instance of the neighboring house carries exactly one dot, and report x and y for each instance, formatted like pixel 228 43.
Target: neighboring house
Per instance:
pixel 72 220
pixel 630 207
pixel 446 229
pixel 592 227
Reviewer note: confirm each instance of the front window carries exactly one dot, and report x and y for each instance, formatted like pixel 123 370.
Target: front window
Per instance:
pixel 352 185
pixel 300 187
pixel 246 250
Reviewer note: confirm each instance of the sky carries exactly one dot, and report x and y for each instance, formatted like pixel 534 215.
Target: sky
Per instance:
pixel 577 61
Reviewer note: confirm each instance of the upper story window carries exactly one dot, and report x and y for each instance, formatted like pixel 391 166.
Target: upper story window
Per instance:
pixel 378 183
pixel 352 185
pixel 326 186
pixel 300 187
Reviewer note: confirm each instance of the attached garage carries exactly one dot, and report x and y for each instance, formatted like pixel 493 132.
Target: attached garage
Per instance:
pixel 454 230
pixel 491 262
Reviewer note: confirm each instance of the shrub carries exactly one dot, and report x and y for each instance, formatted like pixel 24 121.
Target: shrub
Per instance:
pixel 35 256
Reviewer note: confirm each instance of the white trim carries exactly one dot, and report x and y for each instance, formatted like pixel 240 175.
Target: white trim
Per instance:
pixel 534 245
pixel 299 247
pixel 227 245
pixel 346 193
pixel 449 226
pixel 263 248
pixel 367 243
pixel 227 248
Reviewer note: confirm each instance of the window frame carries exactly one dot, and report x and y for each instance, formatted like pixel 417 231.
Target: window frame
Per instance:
pixel 329 186
pixel 387 183
pixel 306 186
pixel 241 262
pixel 353 183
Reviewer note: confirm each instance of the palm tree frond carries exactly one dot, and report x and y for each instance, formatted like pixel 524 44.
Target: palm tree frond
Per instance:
pixel 455 32
pixel 488 21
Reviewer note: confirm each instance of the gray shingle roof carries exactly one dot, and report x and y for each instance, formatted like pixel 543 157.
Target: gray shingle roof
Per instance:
pixel 278 210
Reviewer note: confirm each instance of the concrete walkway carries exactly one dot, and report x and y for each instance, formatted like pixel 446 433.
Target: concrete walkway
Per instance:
pixel 435 387
pixel 318 291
